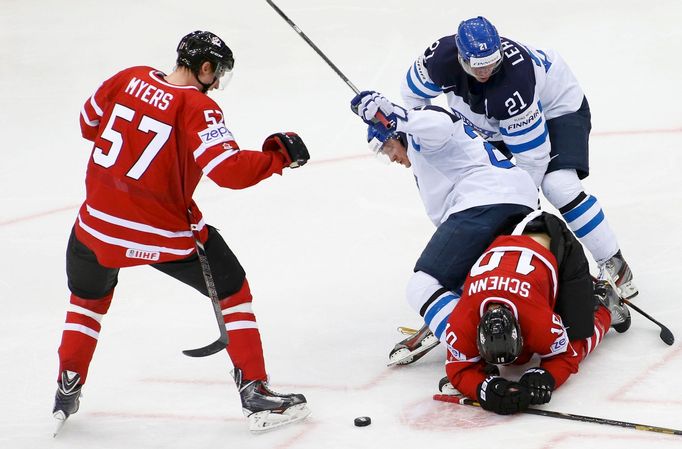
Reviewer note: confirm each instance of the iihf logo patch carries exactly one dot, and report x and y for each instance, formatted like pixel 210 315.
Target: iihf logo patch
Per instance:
pixel 215 40
pixel 139 254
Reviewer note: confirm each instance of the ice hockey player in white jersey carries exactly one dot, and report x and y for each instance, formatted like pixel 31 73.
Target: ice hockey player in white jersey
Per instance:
pixel 527 103
pixel 470 191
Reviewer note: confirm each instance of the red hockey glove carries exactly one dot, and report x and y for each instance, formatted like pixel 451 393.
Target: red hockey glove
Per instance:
pixel 502 396
pixel 540 383
pixel 290 145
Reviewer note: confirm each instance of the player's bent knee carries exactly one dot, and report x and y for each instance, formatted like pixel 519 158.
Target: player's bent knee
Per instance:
pixel 419 289
pixel 561 187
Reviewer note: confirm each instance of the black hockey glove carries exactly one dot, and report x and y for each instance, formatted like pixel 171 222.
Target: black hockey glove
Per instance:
pixel 499 395
pixel 290 145
pixel 540 383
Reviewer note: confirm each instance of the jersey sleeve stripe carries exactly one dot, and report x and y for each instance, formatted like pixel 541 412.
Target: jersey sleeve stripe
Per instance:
pixel 471 360
pixel 96 107
pixel 139 226
pixel 88 120
pixel 423 79
pixel 201 149
pixel 531 144
pixel 208 168
pixel 424 92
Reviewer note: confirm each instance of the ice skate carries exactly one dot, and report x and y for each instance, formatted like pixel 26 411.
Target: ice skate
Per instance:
pixel 67 398
pixel 618 271
pixel 266 409
pixel 413 348
pixel 620 314
pixel 445 387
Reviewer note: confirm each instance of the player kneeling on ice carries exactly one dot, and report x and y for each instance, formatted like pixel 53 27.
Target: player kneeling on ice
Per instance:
pixel 471 194
pixel 154 137
pixel 530 292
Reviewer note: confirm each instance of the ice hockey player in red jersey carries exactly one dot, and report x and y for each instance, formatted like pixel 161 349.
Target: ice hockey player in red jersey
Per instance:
pixel 529 293
pixel 154 136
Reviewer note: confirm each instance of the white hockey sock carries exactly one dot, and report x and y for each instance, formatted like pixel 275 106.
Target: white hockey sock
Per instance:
pixel 582 212
pixel 432 301
pixel 586 219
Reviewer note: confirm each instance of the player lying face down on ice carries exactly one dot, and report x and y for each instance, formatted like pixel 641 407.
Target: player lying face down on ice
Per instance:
pixel 529 294
pixel 470 191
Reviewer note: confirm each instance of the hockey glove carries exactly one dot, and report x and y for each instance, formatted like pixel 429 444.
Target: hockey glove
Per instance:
pixel 368 103
pixel 502 396
pixel 540 384
pixel 290 145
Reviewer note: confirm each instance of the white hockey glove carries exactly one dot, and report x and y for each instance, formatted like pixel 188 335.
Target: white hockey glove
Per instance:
pixel 367 103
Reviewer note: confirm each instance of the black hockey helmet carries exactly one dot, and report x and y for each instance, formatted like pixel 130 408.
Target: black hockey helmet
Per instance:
pixel 201 46
pixel 499 336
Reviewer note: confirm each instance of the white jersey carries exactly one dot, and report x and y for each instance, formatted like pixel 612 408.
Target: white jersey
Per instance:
pixel 456 169
pixel 531 87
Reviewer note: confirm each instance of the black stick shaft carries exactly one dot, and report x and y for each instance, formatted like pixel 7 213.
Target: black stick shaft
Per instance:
pixel 646 315
pixel 223 339
pixel 314 47
pixel 569 416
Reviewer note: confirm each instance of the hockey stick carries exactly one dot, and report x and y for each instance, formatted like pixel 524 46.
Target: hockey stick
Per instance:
pixel 314 47
pixel 379 115
pixel 223 340
pixel 457 399
pixel 667 336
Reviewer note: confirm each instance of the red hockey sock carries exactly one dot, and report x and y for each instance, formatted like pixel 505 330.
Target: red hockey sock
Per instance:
pixel 80 334
pixel 245 348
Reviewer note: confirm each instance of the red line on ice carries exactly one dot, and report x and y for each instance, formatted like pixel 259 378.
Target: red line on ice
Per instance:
pixel 49 212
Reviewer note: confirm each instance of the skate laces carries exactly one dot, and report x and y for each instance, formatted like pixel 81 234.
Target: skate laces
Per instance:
pixel 263 386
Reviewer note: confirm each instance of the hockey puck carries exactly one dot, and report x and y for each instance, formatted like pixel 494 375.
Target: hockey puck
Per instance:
pixel 362 421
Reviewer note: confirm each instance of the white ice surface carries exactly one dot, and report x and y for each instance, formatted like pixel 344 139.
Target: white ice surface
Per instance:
pixel 328 248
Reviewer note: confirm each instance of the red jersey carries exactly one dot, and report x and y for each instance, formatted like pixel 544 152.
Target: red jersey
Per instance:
pixel 521 273
pixel 153 141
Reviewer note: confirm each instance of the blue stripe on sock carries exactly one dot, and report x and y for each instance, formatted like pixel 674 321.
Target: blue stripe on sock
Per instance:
pixel 440 329
pixel 442 302
pixel 582 232
pixel 576 212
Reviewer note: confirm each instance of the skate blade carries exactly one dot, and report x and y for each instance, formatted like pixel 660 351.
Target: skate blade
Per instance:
pixel 60 417
pixel 627 290
pixel 404 356
pixel 265 421
pixel 407 330
pixel 448 390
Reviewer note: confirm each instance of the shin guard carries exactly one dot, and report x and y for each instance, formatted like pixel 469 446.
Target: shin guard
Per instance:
pixel 81 332
pixel 245 348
